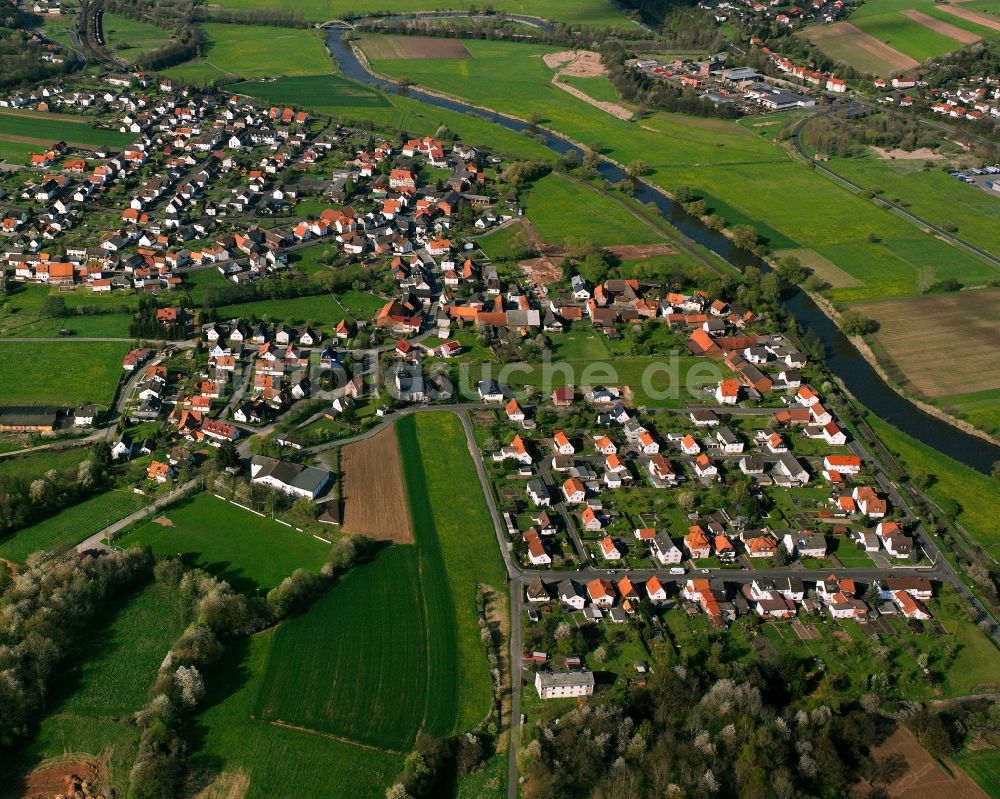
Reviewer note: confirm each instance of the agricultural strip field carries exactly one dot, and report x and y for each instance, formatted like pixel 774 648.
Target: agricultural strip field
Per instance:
pixel 71 526
pixel 59 373
pixel 253 51
pixel 246 550
pixel 980 408
pixel 51 128
pixel 128 38
pixel 907 35
pixel 104 683
pixel 35 464
pixel 372 468
pixel 455 534
pixel 239 755
pixel 561 209
pixel 584 12
pixel 983 765
pixel 942 344
pixel 725 162
pixel 970 15
pixel 849 44
pixel 939 26
pixel 356 664
pixel 925 778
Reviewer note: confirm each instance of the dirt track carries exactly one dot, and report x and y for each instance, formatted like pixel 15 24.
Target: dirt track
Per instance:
pixel 373 491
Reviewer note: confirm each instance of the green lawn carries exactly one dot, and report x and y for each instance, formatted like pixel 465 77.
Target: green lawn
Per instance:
pixel 253 51
pixel 906 35
pixel 455 535
pixel 16 152
pixel 583 12
pixel 236 545
pixel 561 208
pixel 975 492
pixel 104 683
pixel 726 162
pixel 129 39
pixel 52 129
pixel 72 525
pixel 59 373
pixel 369 681
pixel 234 746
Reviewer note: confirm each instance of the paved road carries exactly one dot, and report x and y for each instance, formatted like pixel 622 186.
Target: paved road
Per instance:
pixel 96 540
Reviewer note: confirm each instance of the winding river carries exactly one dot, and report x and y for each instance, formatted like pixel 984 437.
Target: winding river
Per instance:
pixel 841 355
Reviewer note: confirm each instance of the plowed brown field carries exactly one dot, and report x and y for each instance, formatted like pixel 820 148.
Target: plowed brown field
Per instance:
pixel 373 492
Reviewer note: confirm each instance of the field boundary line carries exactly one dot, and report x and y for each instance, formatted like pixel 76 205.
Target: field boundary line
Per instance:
pixel 286 726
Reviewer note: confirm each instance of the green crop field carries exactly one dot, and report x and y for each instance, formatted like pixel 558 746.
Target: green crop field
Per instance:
pixel 47 129
pixel 128 38
pixel 599 87
pixel 906 35
pixel 327 91
pixel 234 747
pixel 16 152
pixel 70 526
pixel 583 12
pixel 59 373
pixel 248 551
pixel 252 51
pixel 561 208
pixel 455 534
pixel 104 683
pixel 355 664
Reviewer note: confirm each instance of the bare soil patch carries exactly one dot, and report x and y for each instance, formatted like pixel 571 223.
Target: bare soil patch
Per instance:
pixel 943 344
pixel 633 251
pixel 924 778
pixel 163 521
pixel 226 785
pixel 972 16
pixel 413 47
pixel 576 63
pixel 372 489
pixel 23 112
pixel 920 154
pixel 944 28
pixel 60 778
pixel 540 271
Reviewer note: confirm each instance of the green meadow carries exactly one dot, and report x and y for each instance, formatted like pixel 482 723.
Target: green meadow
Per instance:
pixel 248 551
pixel 906 35
pixel 253 51
pixel 55 127
pixel 561 208
pixel 63 373
pixel 71 526
pixel 725 162
pixel 129 38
